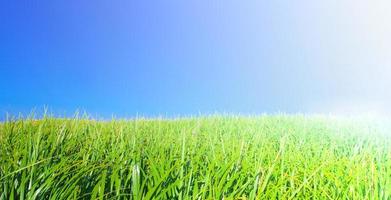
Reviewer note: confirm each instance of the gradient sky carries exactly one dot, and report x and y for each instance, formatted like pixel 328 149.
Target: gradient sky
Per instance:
pixel 123 57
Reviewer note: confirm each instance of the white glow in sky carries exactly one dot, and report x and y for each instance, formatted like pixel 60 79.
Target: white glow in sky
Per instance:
pixel 350 42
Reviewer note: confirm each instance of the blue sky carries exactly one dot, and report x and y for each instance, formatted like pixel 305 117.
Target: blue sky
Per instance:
pixel 171 58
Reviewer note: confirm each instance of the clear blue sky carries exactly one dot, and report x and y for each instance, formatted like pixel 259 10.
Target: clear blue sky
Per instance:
pixel 122 57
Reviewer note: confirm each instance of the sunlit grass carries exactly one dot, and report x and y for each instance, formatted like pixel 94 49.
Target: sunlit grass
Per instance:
pixel 268 157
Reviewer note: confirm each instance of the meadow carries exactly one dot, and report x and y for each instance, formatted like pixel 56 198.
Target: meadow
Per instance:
pixel 214 157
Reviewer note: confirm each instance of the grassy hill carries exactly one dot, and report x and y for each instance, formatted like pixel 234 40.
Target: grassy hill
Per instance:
pixel 217 157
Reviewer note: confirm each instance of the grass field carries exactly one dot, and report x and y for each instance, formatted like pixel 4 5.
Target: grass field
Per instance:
pixel 216 157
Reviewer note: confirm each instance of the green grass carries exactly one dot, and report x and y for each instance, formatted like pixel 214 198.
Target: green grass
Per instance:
pixel 227 157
